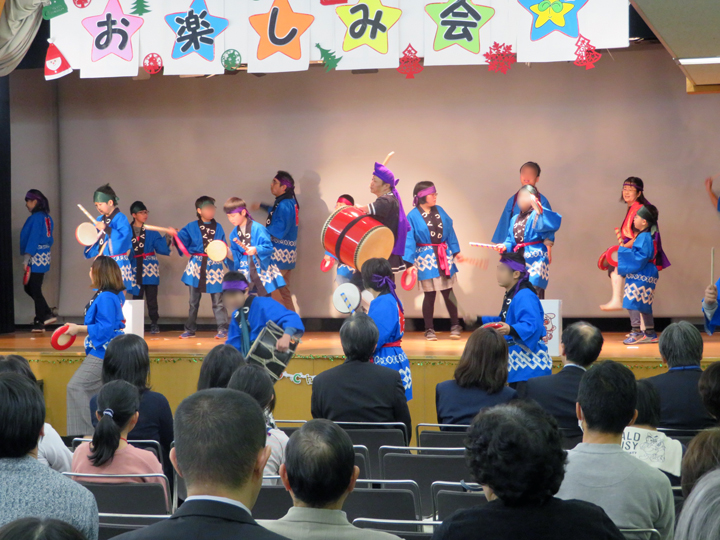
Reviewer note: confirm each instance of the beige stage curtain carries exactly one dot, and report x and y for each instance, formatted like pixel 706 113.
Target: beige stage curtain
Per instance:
pixel 19 22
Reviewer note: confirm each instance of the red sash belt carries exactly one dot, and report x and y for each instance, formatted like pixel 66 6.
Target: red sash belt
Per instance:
pixel 397 343
pixel 143 255
pixel 442 256
pixel 525 244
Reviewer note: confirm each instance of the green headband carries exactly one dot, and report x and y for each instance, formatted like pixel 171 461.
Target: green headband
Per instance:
pixel 206 203
pixel 100 197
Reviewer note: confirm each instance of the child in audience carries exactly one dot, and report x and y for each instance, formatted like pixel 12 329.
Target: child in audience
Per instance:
pixel 254 381
pixel 252 313
pixel 218 366
pixel 104 320
pixel 109 452
pixel 389 316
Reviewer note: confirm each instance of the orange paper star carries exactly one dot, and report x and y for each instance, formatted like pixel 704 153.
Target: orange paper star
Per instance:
pixel 280 30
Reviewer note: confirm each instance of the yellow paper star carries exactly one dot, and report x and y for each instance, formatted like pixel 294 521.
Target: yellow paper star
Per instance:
pixel 368 23
pixel 550 15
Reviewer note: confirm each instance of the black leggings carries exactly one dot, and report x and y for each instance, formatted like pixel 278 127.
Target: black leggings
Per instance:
pixel 34 290
pixel 428 307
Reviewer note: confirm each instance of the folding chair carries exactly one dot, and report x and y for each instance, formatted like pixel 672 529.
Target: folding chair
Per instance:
pixel 273 502
pixel 362 460
pixel 112 525
pixel 384 499
pixel 448 497
pixel 682 435
pixel 441 435
pixel 289 426
pixel 152 446
pixel 406 529
pixel 634 534
pixel 398 463
pixel 373 436
pixel 128 497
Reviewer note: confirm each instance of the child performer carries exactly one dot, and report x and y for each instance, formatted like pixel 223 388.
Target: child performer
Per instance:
pixel 529 176
pixel 432 247
pixel 36 239
pixel 389 316
pixel 114 230
pixel 282 224
pixel 252 249
pixel 521 321
pixel 637 263
pixel 388 210
pixel 344 273
pixel 103 321
pixel 146 245
pixel 529 229
pixel 633 196
pixel 203 275
pixel 710 309
pixel 250 314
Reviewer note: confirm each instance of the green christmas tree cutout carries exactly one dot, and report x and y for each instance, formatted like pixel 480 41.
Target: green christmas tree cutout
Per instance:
pixel 140 7
pixel 328 57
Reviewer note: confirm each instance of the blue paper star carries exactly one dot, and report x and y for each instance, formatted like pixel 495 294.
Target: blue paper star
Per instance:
pixel 195 31
pixel 552 15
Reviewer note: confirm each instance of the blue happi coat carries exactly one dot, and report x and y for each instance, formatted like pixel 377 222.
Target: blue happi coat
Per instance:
pixel 528 355
pixel 511 210
pixel 191 236
pixel 261 310
pixel 425 257
pixel 155 244
pixel 390 321
pixel 283 229
pixel 711 323
pixel 119 238
pixel 536 256
pixel 36 239
pixel 267 270
pixel 637 264
pixel 104 320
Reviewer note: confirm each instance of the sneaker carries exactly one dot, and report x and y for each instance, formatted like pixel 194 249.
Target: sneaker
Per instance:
pixel 455 331
pixel 649 337
pixel 154 329
pixel 222 334
pixel 38 328
pixel 187 335
pixel 430 335
pixel 50 320
pixel 634 338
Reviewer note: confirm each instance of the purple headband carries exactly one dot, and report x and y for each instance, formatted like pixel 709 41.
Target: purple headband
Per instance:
pixel 385 281
pixel 285 182
pixel 239 210
pixel 384 174
pixel 32 196
pixel 423 193
pixel 515 266
pixel 234 286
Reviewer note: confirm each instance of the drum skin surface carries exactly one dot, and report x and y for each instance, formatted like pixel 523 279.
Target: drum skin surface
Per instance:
pixel 363 237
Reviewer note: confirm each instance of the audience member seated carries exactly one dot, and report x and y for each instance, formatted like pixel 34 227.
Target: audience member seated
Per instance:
pixel 109 451
pixel 515 452
pixel 702 455
pixel 220 452
pixel 218 366
pixel 709 388
pixel 40 529
pixel 357 390
pixel 29 488
pixel 51 449
pixel 127 359
pixel 255 381
pixel 480 379
pixel 681 348
pixel 320 473
pixel 557 394
pixel 634 494
pixel 645 442
pixel 700 516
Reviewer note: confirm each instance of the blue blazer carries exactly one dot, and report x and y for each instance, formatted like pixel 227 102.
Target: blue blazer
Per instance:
pixel 458 405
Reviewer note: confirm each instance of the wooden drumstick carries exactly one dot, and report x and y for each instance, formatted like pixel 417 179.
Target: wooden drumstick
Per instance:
pixel 159 229
pixel 88 214
pixel 388 157
pixel 712 266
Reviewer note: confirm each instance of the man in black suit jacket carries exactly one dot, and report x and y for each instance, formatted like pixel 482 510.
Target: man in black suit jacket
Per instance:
pixel 557 394
pixel 220 451
pixel 358 391
pixel 681 348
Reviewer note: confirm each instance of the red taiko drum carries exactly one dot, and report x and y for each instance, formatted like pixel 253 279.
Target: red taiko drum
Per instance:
pixel 353 237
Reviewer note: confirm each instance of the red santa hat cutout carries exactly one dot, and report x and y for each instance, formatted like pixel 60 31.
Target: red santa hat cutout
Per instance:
pixel 56 65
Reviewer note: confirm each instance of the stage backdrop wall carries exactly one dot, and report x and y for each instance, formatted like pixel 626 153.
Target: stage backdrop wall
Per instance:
pixel 168 140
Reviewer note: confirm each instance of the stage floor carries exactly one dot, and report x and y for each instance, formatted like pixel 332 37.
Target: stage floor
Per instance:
pixel 326 344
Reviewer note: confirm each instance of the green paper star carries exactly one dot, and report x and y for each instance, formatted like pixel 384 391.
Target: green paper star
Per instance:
pixel 459 23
